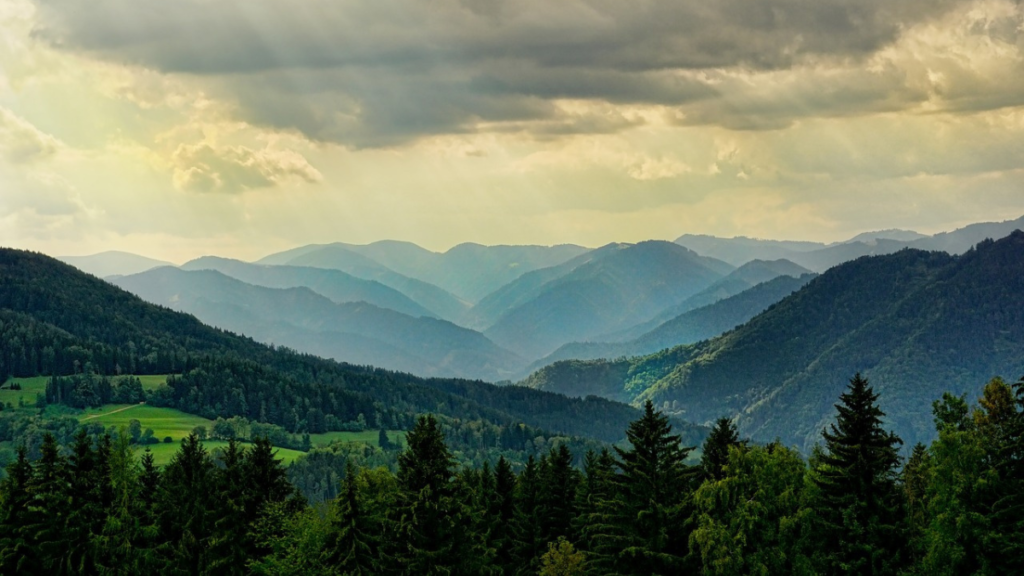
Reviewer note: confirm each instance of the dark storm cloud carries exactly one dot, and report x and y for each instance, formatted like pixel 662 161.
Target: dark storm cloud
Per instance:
pixel 379 72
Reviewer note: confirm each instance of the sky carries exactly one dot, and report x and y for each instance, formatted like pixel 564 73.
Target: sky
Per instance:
pixel 177 128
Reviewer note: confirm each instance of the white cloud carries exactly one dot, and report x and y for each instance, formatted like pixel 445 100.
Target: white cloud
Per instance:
pixel 231 169
pixel 21 142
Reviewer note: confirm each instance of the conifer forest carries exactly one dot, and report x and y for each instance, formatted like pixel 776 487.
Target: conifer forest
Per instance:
pixel 860 503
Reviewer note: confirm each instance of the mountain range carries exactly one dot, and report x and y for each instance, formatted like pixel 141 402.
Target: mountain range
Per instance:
pixel 355 332
pixel 55 319
pixel 916 323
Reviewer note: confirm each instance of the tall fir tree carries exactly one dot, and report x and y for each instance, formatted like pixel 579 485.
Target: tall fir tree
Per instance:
pixel 434 539
pixel 860 506
pixel 715 455
pixel 352 547
pixel 647 532
pixel 18 554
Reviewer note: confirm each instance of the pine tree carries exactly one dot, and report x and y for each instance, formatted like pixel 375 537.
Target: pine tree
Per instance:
pixel 50 507
pixel 230 543
pixel 351 545
pixel 502 514
pixel 647 531
pixel 1005 543
pixel 186 507
pixel 859 507
pixel 528 545
pixel 716 449
pixel 18 554
pixel 431 516
pixel 558 483
pixel 596 490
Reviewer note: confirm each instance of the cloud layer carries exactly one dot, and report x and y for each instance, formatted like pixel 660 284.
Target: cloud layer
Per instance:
pixel 385 72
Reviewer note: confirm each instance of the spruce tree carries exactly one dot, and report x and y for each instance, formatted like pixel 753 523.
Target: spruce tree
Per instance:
pixel 558 483
pixel 1005 543
pixel 646 532
pixel 528 546
pixel 50 507
pixel 186 508
pixel 351 546
pixel 596 490
pixel 716 449
pixel 18 554
pixel 859 506
pixel 502 514
pixel 431 517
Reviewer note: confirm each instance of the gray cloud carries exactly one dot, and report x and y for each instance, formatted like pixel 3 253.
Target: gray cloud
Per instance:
pixel 381 72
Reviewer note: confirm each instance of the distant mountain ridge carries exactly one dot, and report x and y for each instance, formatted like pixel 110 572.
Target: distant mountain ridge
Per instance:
pixel 334 284
pixel 353 332
pixel 470 271
pixel 113 263
pixel 820 257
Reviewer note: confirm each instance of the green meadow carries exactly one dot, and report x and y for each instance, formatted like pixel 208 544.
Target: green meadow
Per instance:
pixel 27 395
pixel 37 385
pixel 168 422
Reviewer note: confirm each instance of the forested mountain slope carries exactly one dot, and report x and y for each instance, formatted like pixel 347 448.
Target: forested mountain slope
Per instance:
pixel 917 323
pixel 55 319
pixel 687 328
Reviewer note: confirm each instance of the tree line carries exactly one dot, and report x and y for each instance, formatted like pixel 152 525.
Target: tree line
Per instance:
pixel 854 506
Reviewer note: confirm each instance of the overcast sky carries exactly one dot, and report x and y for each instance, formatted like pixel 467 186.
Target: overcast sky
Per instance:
pixel 176 128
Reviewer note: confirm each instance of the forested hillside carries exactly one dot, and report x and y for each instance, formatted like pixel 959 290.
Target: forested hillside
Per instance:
pixel 689 327
pixel 918 323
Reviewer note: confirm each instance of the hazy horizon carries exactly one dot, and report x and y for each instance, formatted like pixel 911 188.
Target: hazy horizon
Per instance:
pixel 235 128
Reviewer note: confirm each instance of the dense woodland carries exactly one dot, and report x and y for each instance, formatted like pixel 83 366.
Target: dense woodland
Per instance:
pixel 854 507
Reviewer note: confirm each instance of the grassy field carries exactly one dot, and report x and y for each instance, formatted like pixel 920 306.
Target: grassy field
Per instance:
pixel 162 453
pixel 367 436
pixel 37 384
pixel 29 388
pixel 164 421
pixel 168 422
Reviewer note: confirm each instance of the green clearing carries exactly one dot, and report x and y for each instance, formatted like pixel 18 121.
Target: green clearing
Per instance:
pixel 163 421
pixel 37 385
pixel 27 395
pixel 367 436
pixel 162 453
pixel 177 425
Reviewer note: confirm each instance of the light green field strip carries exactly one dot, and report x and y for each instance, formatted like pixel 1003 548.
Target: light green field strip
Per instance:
pixel 37 385
pixel 162 453
pixel 29 388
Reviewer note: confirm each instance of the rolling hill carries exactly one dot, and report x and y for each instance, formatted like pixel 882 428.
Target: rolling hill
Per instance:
pixel 915 323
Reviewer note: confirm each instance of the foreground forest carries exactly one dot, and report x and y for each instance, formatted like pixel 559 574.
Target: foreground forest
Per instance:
pixel 854 507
